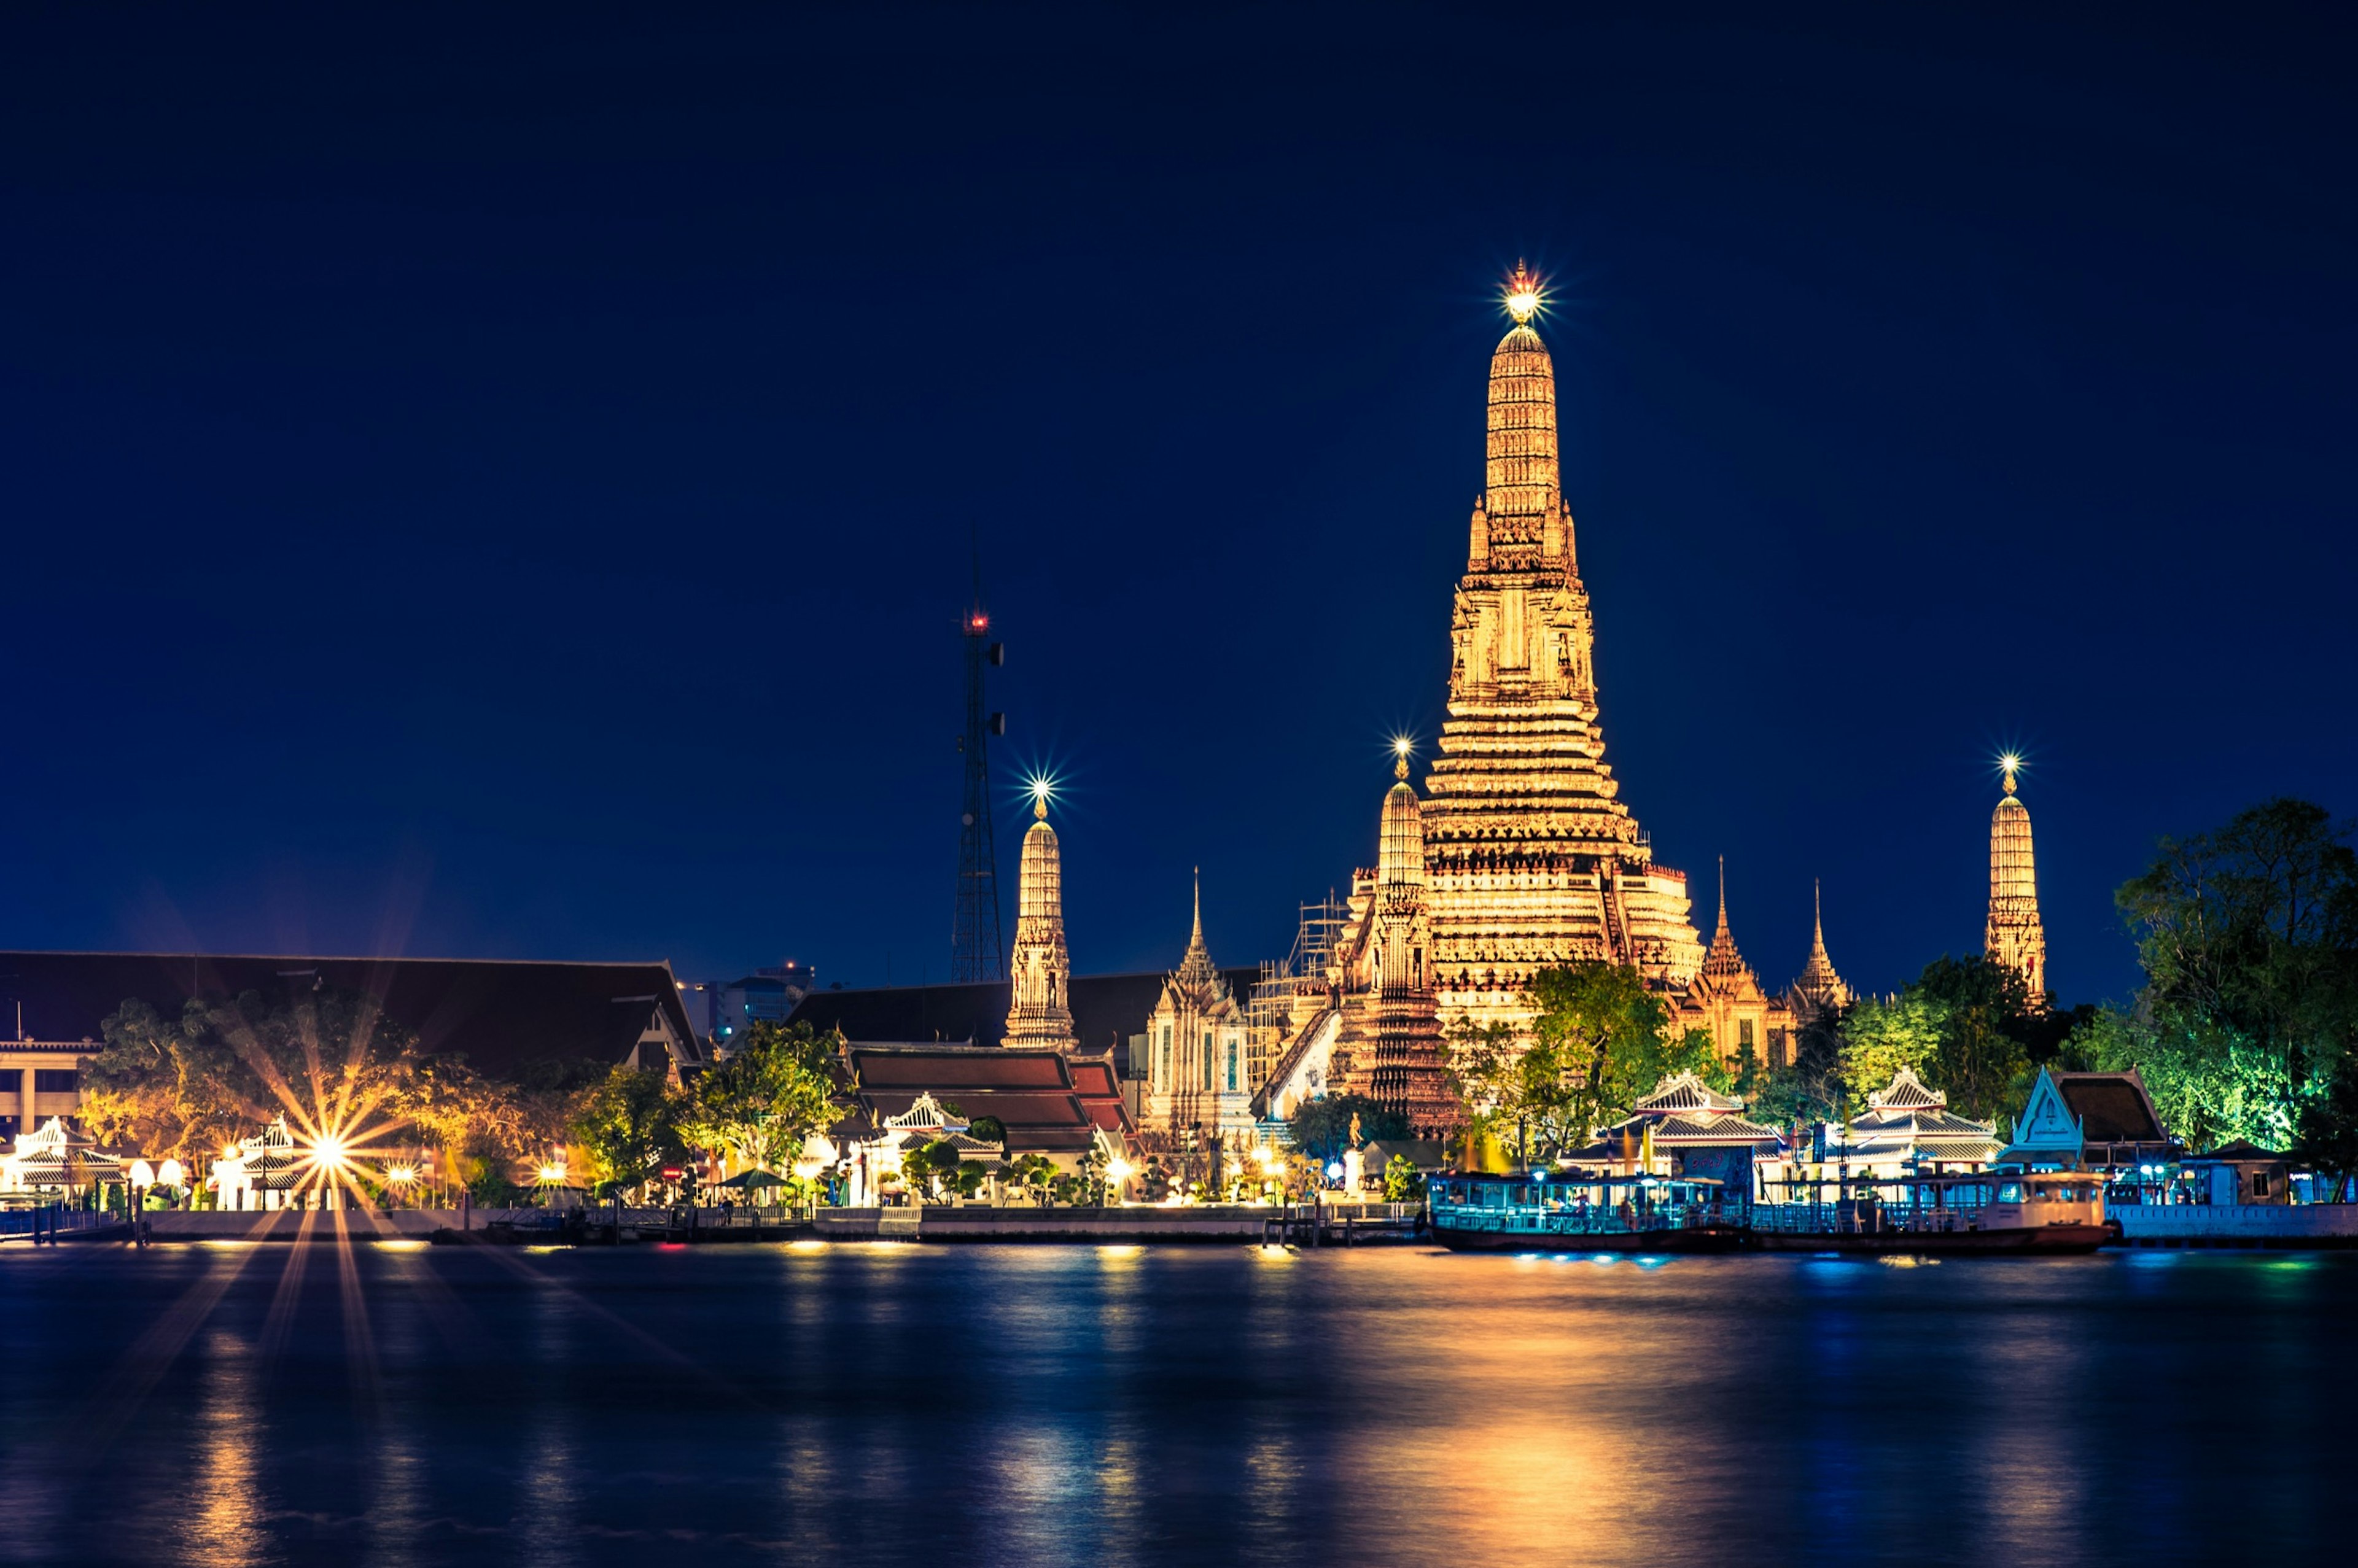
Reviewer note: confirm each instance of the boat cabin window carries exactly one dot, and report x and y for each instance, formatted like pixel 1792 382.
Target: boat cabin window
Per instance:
pixel 2009 1191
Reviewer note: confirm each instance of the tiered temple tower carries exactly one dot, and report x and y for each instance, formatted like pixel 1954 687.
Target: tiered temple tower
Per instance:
pixel 2015 936
pixel 1818 989
pixel 1390 1043
pixel 1726 1001
pixel 1195 1052
pixel 1532 861
pixel 1042 1014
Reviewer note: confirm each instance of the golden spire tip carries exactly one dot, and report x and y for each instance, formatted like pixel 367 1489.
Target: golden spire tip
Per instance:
pixel 1523 294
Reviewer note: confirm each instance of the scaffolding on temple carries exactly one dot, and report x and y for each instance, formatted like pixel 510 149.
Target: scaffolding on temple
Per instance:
pixel 1277 1005
pixel 977 950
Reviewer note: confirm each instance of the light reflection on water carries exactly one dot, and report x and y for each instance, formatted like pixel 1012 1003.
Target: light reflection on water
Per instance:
pixel 1108 1406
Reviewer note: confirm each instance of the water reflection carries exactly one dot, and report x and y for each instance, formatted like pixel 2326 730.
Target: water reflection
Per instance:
pixel 1099 1407
pixel 225 1454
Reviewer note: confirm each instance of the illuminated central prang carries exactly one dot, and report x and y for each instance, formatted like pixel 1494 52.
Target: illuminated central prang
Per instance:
pixel 1533 859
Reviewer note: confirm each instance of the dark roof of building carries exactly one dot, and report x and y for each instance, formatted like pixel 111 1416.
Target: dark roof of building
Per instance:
pixel 1106 1010
pixel 2242 1151
pixel 2112 1108
pixel 502 1015
pixel 1049 1103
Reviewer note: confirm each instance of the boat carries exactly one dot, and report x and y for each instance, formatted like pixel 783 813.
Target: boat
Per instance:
pixel 1562 1212
pixel 1986 1211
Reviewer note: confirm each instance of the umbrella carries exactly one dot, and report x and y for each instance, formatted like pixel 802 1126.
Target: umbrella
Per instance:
pixel 751 1179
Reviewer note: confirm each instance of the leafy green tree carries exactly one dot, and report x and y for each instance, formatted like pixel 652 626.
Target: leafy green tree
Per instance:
pixel 628 1127
pixel 987 1130
pixel 1807 1089
pixel 1034 1173
pixel 1879 1038
pixel 1403 1182
pixel 2328 1130
pixel 2250 931
pixel 1987 1013
pixel 1321 1128
pixel 775 1089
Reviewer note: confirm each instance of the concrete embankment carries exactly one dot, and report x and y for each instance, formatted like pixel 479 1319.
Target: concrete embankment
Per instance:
pixel 287 1224
pixel 1333 1224
pixel 2291 1226
pixel 1336 1224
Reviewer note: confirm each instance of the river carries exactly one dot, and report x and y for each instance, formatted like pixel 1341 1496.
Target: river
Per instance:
pixel 388 1404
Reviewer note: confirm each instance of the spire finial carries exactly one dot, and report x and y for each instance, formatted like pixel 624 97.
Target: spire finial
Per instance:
pixel 2010 765
pixel 1523 297
pixel 1723 892
pixel 1401 748
pixel 1818 909
pixel 1198 939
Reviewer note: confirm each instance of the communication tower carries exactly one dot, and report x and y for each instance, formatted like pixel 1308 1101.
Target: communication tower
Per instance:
pixel 977 952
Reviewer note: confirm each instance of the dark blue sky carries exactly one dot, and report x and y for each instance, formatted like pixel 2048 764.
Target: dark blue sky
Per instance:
pixel 501 485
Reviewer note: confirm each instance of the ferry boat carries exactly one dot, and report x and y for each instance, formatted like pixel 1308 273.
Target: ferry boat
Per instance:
pixel 1984 1212
pixel 1556 1211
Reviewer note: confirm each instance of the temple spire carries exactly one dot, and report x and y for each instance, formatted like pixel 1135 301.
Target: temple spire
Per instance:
pixel 1041 1011
pixel 2014 936
pixel 1819 989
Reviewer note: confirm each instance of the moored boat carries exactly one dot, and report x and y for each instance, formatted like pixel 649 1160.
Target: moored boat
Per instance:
pixel 1560 1212
pixel 1992 1212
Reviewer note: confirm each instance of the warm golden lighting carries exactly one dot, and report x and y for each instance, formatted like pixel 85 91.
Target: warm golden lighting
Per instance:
pixel 2010 764
pixel 552 1175
pixel 401 1176
pixel 1524 297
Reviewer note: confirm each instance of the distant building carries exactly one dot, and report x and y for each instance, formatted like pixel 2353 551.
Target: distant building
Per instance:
pixel 39 1079
pixel 768 995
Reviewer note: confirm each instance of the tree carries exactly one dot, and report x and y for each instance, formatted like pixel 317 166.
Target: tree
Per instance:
pixel 628 1127
pixel 1321 1128
pixel 2329 1123
pixel 1601 1040
pixel 928 1165
pixel 1879 1038
pixel 1403 1182
pixel 773 1089
pixel 2251 930
pixel 1034 1172
pixel 1987 1018
pixel 1807 1089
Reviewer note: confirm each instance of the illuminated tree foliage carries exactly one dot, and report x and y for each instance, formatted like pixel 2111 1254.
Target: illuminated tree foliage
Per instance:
pixel 775 1088
pixel 185 1086
pixel 1601 1041
pixel 628 1127
pixel 1879 1038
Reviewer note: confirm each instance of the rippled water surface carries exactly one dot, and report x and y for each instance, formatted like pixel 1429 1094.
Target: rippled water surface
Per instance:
pixel 381 1404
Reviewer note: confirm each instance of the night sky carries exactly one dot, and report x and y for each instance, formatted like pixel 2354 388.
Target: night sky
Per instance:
pixel 503 484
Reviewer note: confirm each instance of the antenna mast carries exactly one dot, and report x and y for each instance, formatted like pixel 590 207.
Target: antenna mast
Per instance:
pixel 977 951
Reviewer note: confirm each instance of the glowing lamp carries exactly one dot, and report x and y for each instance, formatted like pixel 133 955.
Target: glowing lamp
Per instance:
pixel 1334 1170
pixel 143 1174
pixel 553 1173
pixel 170 1174
pixel 401 1176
